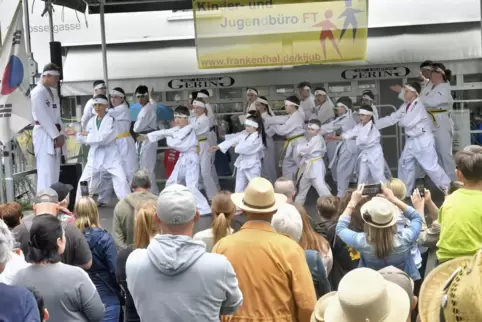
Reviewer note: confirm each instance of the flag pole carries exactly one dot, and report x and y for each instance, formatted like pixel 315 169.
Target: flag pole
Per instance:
pixel 28 43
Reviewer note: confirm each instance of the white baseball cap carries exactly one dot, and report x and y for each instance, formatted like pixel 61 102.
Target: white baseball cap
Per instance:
pixel 176 205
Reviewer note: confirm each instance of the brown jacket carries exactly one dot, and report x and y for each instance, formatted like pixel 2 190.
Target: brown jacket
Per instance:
pixel 273 275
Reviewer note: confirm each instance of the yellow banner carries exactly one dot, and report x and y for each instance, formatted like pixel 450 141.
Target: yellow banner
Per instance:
pixel 242 33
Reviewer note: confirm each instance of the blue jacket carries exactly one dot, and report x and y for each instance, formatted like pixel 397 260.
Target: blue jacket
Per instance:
pixel 102 271
pixel 318 272
pixel 400 257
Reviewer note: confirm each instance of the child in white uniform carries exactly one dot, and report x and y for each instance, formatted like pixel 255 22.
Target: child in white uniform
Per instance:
pixel 100 134
pixel 367 138
pixel 292 127
pixel 183 139
pixel 202 127
pixel 249 144
pixel 312 167
pixel 147 122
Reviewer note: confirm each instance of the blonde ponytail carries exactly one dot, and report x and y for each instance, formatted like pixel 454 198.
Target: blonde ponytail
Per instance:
pixel 223 210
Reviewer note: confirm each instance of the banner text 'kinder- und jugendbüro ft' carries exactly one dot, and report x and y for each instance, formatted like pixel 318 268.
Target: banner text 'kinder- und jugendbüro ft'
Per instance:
pixel 242 33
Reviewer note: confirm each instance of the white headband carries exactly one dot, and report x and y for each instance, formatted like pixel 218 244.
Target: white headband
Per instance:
pixel 364 112
pixel 411 89
pixel 307 87
pixel 313 126
pixel 198 104
pixel 262 101
pixel 100 86
pixel 116 93
pixel 429 68
pixel 250 123
pixel 339 104
pixel 180 115
pixel 320 92
pixel 290 103
pixel 142 95
pixel 202 95
pixel 251 91
pixel 439 70
pixel 367 97
pixel 50 73
pixel 100 101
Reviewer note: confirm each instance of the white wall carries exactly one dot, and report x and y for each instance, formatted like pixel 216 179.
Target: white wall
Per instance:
pixel 165 25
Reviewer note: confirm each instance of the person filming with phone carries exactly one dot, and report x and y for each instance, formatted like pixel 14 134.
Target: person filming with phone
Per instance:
pixel 380 245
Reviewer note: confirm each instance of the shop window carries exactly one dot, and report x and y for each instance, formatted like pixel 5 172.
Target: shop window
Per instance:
pixel 263 91
pixel 177 96
pixel 230 93
pixel 472 78
pixel 365 85
pixel 285 90
pixel 228 108
pixel 339 87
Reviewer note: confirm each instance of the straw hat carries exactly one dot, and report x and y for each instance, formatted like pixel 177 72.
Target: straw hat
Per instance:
pixel 320 307
pixel 258 197
pixel 364 295
pixel 379 213
pixel 454 288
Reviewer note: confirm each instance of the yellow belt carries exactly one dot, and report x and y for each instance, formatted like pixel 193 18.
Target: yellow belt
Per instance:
pixel 285 146
pixel 199 144
pixel 306 167
pixel 432 113
pixel 123 135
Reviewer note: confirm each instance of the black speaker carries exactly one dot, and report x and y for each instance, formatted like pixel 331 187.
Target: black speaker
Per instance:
pixel 56 55
pixel 70 174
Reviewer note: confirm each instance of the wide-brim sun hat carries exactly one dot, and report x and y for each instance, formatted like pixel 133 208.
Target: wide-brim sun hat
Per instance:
pixel 364 295
pixel 453 288
pixel 320 307
pixel 379 213
pixel 258 197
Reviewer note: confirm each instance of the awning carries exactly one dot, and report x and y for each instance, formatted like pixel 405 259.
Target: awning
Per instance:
pixel 132 64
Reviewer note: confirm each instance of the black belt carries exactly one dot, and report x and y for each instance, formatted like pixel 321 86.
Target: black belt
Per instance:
pixel 56 125
pixel 146 132
pixel 212 129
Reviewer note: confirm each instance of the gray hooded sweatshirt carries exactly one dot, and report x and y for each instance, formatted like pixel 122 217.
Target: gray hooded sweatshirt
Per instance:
pixel 176 280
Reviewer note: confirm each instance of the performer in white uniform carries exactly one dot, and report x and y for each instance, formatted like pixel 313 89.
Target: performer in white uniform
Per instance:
pixel 147 122
pixel 183 138
pixel 438 101
pixel 100 134
pixel 48 138
pixel 269 167
pixel 425 83
pixel 344 161
pixel 291 126
pixel 99 89
pixel 251 95
pixel 249 145
pixel 312 169
pixel 202 126
pixel 420 143
pixel 307 100
pixel 203 96
pixel 368 98
pixel 325 113
pixel 367 138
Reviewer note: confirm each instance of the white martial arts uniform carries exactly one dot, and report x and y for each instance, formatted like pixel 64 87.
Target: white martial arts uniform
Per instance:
pixel 126 146
pixel 249 147
pixel 186 170
pixel 307 107
pixel 213 141
pixel 370 158
pixel 147 151
pixel 438 101
pixel 325 113
pixel 48 126
pixel 312 168
pixel 88 113
pixel 269 165
pixel 292 127
pixel 104 157
pixel 419 145
pixel 344 160
pixel 387 170
pixel 201 126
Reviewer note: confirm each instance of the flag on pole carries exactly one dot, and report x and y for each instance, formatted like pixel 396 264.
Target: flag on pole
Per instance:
pixel 15 112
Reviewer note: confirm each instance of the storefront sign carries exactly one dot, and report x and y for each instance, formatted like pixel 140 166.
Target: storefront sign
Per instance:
pixel 248 33
pixel 198 83
pixel 372 73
